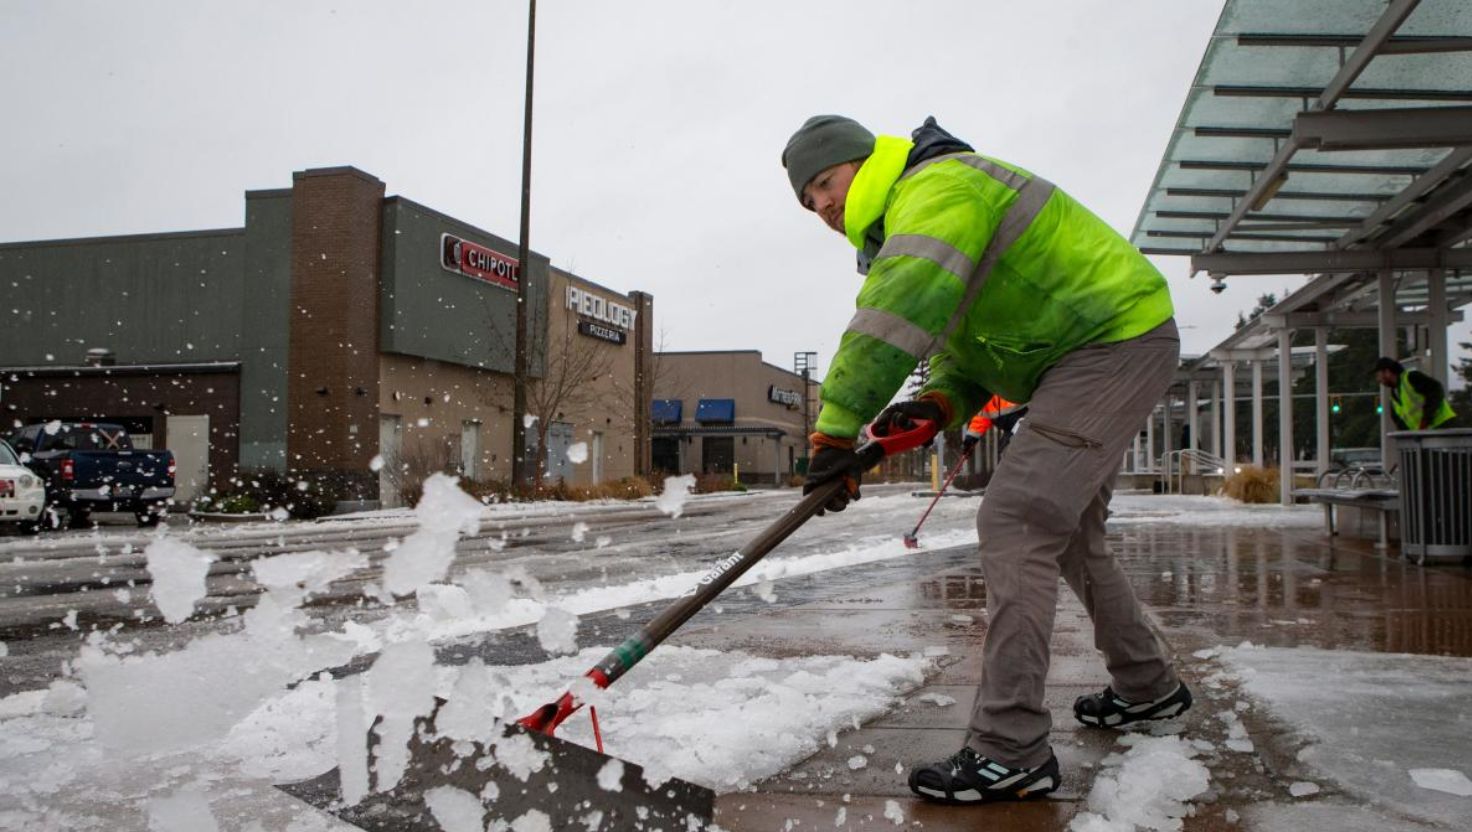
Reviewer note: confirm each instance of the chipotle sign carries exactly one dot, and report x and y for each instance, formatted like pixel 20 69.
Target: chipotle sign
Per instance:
pixel 477 261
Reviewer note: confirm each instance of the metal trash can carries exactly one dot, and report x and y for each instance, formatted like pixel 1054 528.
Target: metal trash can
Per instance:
pixel 1435 494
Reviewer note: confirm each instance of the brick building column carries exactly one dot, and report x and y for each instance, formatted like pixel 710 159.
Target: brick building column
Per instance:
pixel 333 370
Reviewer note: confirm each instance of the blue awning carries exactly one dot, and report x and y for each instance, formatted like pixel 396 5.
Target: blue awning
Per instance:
pixel 716 410
pixel 667 411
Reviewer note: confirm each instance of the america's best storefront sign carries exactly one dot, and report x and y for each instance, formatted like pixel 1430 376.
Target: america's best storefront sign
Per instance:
pixel 477 261
pixel 601 318
pixel 777 395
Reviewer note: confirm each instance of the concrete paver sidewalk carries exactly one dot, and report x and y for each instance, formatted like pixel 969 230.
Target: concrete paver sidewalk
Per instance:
pixel 1204 588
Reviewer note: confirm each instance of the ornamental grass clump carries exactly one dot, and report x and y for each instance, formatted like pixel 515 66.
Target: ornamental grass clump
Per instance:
pixel 1251 484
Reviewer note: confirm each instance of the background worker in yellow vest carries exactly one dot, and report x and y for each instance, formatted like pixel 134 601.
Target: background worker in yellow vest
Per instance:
pixel 1009 287
pixel 998 413
pixel 1417 401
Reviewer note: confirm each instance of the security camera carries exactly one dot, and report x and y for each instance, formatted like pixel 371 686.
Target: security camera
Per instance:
pixel 1218 285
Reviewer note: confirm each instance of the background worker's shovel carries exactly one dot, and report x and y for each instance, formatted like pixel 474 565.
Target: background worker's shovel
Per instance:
pixel 574 786
pixel 912 537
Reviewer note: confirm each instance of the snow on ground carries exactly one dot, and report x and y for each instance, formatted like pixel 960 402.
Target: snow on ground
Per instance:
pixel 1176 509
pixel 717 718
pixel 1144 788
pixel 214 723
pixel 1392 729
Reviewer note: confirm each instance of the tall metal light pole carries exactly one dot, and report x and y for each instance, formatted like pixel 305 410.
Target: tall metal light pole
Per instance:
pixel 805 363
pixel 520 470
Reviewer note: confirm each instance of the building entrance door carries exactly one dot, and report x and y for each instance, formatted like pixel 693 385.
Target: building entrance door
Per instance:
pixel 390 434
pixel 469 448
pixel 666 454
pixel 189 439
pixel 718 454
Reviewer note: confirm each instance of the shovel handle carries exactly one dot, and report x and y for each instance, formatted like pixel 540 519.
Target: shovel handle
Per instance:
pixel 547 718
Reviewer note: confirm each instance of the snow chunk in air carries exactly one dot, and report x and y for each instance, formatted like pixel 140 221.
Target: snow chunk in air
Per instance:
pixel 444 513
pixel 178 571
pixel 676 492
pixel 577 453
pixel 558 631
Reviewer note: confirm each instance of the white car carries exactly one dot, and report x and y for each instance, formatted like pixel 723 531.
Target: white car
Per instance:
pixel 22 493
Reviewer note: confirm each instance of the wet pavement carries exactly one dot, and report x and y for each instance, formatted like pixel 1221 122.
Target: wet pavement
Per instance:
pixel 1205 587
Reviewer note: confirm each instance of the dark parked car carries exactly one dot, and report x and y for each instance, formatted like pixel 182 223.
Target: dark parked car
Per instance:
pixel 93 466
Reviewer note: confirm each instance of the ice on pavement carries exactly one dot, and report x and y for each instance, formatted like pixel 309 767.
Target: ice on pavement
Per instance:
pixel 455 810
pixel 1446 780
pixel 675 494
pixel 1303 788
pixel 178 572
pixel 1147 787
pixel 1130 509
pixel 1367 720
pixel 187 810
pixel 610 777
pixel 445 513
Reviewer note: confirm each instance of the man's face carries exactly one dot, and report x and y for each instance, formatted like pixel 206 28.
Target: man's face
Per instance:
pixel 1386 378
pixel 827 194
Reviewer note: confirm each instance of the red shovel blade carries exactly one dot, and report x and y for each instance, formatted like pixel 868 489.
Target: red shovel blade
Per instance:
pixel 911 541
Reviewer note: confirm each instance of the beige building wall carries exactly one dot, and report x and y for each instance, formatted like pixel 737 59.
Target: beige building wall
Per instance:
pixel 437 416
pixel 766 436
pixel 593 389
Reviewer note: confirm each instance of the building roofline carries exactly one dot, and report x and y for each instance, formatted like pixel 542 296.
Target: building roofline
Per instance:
pixel 123 369
pixel 595 284
pixel 336 170
pixel 419 206
pixel 158 236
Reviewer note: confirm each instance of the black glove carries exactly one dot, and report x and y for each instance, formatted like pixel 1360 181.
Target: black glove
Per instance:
pixel 901 416
pixel 830 459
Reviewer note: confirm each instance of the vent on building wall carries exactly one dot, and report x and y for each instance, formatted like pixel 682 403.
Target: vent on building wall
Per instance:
pixel 101 357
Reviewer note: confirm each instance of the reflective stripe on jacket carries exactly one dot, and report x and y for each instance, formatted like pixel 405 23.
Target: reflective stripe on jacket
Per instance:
pixel 1410 405
pixel 990 272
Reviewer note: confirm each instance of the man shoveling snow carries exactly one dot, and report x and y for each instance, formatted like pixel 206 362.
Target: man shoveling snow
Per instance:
pixel 1009 287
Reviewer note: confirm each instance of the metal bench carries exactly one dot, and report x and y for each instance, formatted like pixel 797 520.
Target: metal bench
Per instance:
pixel 1385 501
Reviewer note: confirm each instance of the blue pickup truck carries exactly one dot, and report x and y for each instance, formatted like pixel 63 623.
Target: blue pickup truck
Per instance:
pixel 93 466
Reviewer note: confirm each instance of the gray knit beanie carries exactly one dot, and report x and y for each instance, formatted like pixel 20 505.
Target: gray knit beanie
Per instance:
pixel 821 143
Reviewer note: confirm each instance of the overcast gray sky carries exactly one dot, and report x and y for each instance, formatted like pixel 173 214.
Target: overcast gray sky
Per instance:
pixel 659 126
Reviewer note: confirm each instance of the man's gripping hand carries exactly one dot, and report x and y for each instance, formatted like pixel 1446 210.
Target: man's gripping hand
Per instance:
pixel 901 416
pixel 830 459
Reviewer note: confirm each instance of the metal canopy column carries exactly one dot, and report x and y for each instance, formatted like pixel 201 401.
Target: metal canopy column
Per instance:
pixel 1436 323
pixel 1229 417
pixel 1216 418
pixel 1167 441
pixel 1386 297
pixel 1321 398
pixel 1257 413
pixel 1192 439
pixel 1150 443
pixel 1285 415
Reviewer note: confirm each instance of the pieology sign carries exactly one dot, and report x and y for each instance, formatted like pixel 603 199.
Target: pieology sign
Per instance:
pixel 601 318
pixel 477 261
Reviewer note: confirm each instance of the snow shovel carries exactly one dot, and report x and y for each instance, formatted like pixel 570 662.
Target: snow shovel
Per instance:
pixel 572 786
pixel 912 538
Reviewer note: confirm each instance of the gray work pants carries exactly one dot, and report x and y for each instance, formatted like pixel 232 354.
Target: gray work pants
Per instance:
pixel 1043 515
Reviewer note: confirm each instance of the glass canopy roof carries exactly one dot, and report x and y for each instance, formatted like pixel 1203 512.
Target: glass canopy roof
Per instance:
pixel 1267 62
